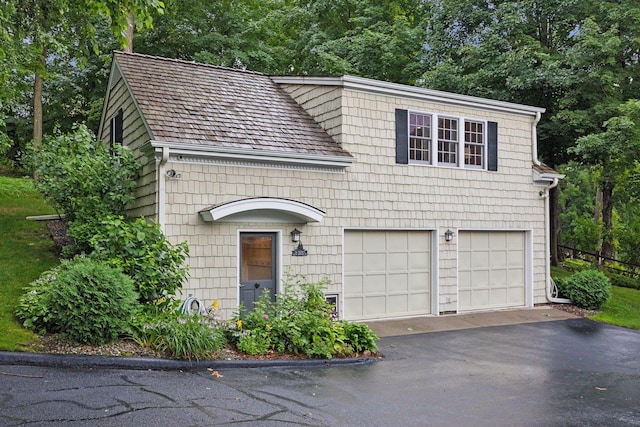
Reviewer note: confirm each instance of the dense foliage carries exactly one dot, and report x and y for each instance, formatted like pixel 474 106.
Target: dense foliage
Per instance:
pixel 299 321
pixel 83 179
pixel 589 289
pixel 142 251
pixel 86 301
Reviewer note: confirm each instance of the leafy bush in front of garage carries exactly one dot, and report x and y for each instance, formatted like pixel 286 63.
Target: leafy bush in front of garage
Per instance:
pixel 299 322
pixel 589 289
pixel 86 301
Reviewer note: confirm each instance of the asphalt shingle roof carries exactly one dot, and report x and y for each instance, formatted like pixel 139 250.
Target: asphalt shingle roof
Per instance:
pixel 220 107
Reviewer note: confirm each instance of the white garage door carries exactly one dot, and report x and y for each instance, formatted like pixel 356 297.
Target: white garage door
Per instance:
pixel 386 274
pixel 491 269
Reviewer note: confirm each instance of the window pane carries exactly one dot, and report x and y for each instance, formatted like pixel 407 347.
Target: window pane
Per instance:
pixel 419 137
pixel 447 140
pixel 256 258
pixel 474 144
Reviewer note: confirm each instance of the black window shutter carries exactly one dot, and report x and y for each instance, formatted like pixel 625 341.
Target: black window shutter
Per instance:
pixel 402 137
pixel 492 146
pixel 116 128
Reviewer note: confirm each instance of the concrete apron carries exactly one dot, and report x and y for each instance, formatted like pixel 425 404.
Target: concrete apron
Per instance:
pixel 423 324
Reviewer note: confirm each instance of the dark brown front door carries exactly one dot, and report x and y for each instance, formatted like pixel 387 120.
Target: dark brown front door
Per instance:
pixel 257 267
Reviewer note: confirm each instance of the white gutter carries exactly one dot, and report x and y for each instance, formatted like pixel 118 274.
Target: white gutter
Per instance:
pixel 192 149
pixel 161 178
pixel 547 221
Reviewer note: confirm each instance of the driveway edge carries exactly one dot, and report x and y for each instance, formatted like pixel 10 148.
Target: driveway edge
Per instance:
pixel 142 363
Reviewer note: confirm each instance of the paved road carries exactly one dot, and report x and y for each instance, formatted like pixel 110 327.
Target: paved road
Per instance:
pixel 562 373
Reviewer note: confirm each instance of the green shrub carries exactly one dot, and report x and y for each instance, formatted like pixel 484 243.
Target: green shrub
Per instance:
pixel 622 280
pixel 574 264
pixel 299 321
pixel 360 337
pixel 561 285
pixel 86 301
pixel 142 251
pixel 589 289
pixel 178 336
pixel 34 306
pixel 83 178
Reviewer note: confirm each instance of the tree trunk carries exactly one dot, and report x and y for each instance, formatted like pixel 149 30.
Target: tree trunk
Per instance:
pixel 37 108
pixel 554 223
pixel 607 220
pixel 129 33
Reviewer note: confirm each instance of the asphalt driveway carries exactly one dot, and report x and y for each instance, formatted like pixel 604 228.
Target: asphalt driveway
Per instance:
pixel 563 373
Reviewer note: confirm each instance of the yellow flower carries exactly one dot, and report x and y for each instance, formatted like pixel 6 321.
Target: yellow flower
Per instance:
pixel 239 324
pixel 160 301
pixel 216 304
pixel 267 326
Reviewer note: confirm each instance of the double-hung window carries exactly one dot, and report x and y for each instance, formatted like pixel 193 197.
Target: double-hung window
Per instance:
pixel 447 141
pixel 474 143
pixel 420 137
pixel 443 140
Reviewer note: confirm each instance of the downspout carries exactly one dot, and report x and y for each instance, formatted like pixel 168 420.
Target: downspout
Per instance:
pixel 162 179
pixel 547 221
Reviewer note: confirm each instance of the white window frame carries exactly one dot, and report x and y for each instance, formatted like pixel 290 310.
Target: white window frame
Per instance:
pixel 429 139
pixel 461 141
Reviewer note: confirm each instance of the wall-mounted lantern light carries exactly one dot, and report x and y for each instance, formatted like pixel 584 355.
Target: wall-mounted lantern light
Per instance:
pixel 295 237
pixel 448 235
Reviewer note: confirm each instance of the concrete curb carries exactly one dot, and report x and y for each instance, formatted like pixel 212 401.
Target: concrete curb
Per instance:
pixel 141 363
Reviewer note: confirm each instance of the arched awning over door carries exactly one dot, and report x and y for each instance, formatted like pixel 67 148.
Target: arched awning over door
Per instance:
pixel 263 209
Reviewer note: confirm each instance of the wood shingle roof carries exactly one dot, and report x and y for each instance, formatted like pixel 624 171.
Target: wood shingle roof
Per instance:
pixel 197 104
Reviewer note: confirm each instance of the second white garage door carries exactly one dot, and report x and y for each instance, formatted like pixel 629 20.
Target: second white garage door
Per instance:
pixel 386 274
pixel 491 270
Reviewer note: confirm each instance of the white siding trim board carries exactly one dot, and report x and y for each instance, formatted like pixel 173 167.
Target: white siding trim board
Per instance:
pixel 406 91
pixel 196 153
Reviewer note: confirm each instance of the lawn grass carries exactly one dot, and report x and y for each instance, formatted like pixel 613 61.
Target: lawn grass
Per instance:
pixel 26 250
pixel 623 309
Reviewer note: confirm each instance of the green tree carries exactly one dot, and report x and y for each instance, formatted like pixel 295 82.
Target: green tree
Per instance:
pixel 614 151
pixel 376 39
pixel 576 59
pixel 43 31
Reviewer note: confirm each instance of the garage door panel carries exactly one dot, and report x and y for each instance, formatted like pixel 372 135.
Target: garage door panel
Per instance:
pixel 397 304
pixel 416 282
pixel 418 243
pixel 418 301
pixel 353 243
pixel 398 242
pixel 375 284
pixel 397 283
pixel 419 261
pixel 395 275
pixel 356 286
pixel 498 259
pixel 374 305
pixel 353 263
pixel 374 262
pixel 491 270
pixel 374 242
pixel 479 259
pixel 515 258
pixel 397 261
pixel 356 305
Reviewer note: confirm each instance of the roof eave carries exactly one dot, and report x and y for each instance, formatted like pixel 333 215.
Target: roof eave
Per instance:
pixel 407 91
pixel 197 150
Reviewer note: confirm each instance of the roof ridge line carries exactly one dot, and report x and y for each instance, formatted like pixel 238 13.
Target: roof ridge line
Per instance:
pixel 183 61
